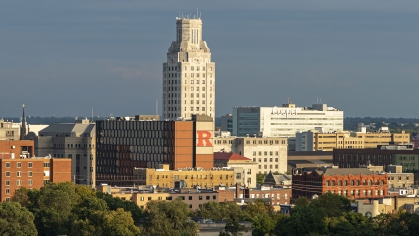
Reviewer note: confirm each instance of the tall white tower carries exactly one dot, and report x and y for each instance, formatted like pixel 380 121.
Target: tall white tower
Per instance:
pixel 188 74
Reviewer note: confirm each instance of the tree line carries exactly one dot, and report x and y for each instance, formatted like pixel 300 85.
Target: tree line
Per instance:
pixel 67 209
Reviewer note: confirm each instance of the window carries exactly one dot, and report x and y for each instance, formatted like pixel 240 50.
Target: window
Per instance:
pixel 7 173
pixel 200 197
pixel 7 190
pixel 18 182
pixel 7 182
pixel 19 165
pixel 7 164
pixel 46 164
pixel 19 174
pixel 190 198
pixel 29 164
pixel 29 182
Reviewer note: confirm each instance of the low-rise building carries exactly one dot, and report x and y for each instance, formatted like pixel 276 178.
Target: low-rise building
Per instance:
pixel 400 155
pixel 275 196
pixel 187 177
pixel 194 197
pixel 354 183
pixel 317 140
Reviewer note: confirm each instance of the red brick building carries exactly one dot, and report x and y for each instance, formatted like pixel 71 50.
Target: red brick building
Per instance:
pixel 15 148
pixel 353 183
pixel 19 169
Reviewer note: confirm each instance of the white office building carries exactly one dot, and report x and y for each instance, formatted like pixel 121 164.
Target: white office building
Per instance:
pixel 285 121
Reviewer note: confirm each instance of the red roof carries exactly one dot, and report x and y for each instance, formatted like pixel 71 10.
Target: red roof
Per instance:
pixel 230 156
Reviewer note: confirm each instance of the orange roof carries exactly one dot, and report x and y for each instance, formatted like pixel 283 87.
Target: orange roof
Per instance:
pixel 230 156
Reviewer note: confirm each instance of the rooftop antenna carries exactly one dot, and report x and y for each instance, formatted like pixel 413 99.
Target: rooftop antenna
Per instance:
pixel 197 14
pixel 92 114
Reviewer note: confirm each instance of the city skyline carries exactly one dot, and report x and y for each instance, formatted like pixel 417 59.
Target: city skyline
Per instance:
pixel 64 59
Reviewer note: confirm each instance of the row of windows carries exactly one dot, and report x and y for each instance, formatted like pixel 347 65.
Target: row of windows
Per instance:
pixel 265 153
pixel 19 182
pixel 186 82
pixel 353 183
pixel 181 197
pixel 18 164
pixel 131 125
pixel 175 68
pixel 18 173
pixel 357 192
pixel 265 159
pixel 266 167
pixel 175 75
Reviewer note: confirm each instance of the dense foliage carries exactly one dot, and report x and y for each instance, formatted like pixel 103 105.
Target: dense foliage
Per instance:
pixel 65 209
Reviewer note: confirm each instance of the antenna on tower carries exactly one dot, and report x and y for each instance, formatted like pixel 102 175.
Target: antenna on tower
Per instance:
pixel 92 114
pixel 197 14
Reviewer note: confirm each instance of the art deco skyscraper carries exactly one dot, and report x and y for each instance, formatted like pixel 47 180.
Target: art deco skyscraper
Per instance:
pixel 188 74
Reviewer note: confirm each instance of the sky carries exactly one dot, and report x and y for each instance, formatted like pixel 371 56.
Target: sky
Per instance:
pixel 63 58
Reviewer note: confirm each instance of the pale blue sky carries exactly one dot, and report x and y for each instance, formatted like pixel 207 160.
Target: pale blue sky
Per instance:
pixel 64 57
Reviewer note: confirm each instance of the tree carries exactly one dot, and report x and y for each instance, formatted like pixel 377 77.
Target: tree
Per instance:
pixel 116 202
pixel 226 211
pixel 233 228
pixel 54 208
pixel 263 224
pixel 257 207
pixel 106 223
pixel 301 201
pixel 304 220
pixel 168 218
pixel 333 204
pixel 16 220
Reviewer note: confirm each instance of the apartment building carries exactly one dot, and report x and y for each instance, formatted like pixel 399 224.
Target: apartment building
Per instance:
pixel 31 173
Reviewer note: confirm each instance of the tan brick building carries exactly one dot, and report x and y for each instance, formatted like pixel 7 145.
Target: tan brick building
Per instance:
pixel 193 197
pixel 315 140
pixel 190 177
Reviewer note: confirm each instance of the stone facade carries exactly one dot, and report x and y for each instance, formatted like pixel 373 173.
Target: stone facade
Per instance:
pixel 188 74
